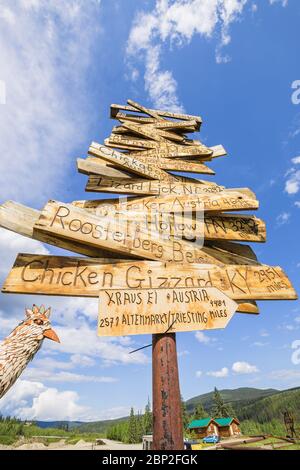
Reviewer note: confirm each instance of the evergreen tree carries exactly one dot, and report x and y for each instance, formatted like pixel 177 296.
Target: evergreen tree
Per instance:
pixel 199 412
pixel 184 414
pixel 220 408
pixel 132 428
pixel 148 419
pixel 139 427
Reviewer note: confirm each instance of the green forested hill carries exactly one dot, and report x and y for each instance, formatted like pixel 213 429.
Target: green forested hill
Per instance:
pixel 272 407
pixel 239 396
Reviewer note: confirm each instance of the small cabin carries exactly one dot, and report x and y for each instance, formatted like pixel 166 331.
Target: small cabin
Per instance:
pixel 203 427
pixel 223 427
pixel 228 427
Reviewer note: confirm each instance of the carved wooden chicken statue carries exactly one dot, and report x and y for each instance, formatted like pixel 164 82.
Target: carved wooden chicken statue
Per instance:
pixel 22 344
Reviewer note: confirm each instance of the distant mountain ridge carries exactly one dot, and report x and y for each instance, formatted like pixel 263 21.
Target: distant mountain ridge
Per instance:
pixel 261 405
pixel 242 395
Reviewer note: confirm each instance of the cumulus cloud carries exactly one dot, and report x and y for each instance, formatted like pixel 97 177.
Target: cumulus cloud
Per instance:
pixel 44 55
pixel 224 372
pixel 241 367
pixel 283 218
pixel 199 374
pixel 202 338
pixel 32 400
pixel 174 23
pixel 292 183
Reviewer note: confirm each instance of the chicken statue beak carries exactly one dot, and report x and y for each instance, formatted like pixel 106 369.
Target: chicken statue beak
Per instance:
pixel 50 334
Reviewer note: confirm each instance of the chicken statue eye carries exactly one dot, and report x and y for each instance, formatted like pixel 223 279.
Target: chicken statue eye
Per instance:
pixel 38 322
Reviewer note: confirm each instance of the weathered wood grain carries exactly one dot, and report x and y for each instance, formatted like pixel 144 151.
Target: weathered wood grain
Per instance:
pixel 220 226
pixel 21 219
pixel 132 164
pixel 153 311
pixel 171 164
pixel 84 277
pixel 115 108
pixel 93 166
pixel 177 196
pixel 111 234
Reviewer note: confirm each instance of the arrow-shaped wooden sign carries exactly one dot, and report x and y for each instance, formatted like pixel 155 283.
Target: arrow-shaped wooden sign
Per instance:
pixel 84 277
pixel 152 311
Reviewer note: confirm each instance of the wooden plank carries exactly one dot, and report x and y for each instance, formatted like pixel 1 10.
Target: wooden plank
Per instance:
pixel 170 164
pixel 115 108
pixel 188 126
pixel 142 109
pixel 154 311
pixel 67 221
pixel 93 166
pixel 21 219
pixel 84 277
pixel 162 149
pixel 218 151
pixel 149 131
pixel 221 226
pixel 132 164
pixel 177 196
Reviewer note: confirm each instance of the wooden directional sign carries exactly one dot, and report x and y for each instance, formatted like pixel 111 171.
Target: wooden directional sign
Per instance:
pixel 164 147
pixel 84 277
pixel 68 221
pixel 230 199
pixel 219 226
pixel 130 163
pixel 175 164
pixel 115 108
pixel 21 219
pixel 144 311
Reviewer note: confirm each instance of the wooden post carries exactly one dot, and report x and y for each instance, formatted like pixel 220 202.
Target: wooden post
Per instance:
pixel 167 415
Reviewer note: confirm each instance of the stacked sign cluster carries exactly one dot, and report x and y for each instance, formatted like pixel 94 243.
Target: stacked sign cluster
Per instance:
pixel 158 254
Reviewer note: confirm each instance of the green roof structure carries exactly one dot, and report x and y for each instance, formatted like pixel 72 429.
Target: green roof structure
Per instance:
pixel 199 423
pixel 222 422
pixel 203 423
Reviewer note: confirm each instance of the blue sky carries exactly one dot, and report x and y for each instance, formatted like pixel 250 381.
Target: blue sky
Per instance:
pixel 231 61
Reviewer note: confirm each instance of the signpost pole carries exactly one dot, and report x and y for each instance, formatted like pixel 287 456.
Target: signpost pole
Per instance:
pixel 167 416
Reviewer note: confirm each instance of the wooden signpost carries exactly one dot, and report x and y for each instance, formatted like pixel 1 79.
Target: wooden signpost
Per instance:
pixel 154 311
pixel 166 261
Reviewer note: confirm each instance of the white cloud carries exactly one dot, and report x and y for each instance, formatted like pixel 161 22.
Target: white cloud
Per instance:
pixel 199 374
pixel 81 338
pixel 297 204
pixel 35 374
pixel 292 184
pixel 202 338
pixel 283 218
pixel 219 373
pixel 177 22
pixel 283 2
pixel 44 54
pixel 260 344
pixel 32 400
pixel 11 244
pixel 241 367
